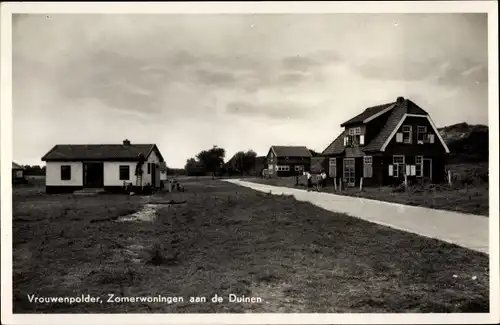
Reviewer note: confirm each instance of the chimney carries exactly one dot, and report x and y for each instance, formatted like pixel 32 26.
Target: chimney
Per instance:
pixel 126 142
pixel 400 100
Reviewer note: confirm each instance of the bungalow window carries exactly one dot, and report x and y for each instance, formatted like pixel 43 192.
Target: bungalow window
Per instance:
pixel 65 173
pixel 299 168
pixel 124 173
pixel 406 134
pixel 367 166
pixel 422 136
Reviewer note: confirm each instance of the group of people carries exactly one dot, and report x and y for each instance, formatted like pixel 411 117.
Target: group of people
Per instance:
pixel 321 179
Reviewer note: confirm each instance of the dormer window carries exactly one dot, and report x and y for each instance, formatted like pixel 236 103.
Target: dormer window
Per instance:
pixel 406 133
pixel 354 137
pixel 355 131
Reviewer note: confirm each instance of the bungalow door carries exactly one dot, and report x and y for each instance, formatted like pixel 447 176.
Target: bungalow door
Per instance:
pixel 349 172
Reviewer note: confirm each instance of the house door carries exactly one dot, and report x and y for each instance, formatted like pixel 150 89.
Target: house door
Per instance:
pixel 349 172
pixel 155 176
pixel 427 168
pixel 93 175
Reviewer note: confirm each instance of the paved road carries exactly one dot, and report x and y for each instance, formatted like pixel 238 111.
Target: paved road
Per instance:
pixel 466 230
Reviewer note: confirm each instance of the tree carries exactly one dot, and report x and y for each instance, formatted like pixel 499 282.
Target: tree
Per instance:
pixel 34 170
pixel 212 160
pixel 193 167
pixel 245 161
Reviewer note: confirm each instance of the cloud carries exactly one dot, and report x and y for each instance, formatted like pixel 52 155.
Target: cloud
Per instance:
pixel 272 110
pixel 103 78
pixel 215 78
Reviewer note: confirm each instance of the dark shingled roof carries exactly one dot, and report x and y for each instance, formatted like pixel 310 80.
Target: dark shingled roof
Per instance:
pixel 16 166
pixel 118 152
pixel 370 111
pixel 291 151
pixel 401 107
pixel 337 146
pixel 406 106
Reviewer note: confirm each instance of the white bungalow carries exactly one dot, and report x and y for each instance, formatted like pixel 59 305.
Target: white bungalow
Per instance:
pixel 72 167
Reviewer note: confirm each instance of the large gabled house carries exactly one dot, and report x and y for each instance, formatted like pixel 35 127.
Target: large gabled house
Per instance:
pixel 71 167
pixel 386 142
pixel 288 160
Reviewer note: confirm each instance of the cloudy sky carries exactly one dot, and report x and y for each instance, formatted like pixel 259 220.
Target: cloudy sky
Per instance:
pixel 187 82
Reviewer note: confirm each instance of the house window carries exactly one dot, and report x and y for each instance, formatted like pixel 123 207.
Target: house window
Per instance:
pixel 299 168
pixel 149 168
pixel 367 166
pixel 65 173
pixel 355 138
pixel 283 168
pixel 124 173
pixel 355 131
pixel 422 135
pixel 399 166
pixel 398 159
pixel 349 171
pixel 406 134
pixel 419 166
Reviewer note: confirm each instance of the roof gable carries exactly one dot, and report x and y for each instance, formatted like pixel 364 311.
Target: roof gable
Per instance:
pixel 397 111
pixel 16 166
pixel 291 151
pixel 403 106
pixel 116 152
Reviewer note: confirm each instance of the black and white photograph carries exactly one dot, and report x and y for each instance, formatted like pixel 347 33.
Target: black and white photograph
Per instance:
pixel 193 162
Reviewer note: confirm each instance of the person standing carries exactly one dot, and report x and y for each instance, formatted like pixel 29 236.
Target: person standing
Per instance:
pixel 323 178
pixel 309 181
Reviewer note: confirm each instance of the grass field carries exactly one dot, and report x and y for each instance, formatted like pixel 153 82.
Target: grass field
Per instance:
pixel 231 240
pixel 469 193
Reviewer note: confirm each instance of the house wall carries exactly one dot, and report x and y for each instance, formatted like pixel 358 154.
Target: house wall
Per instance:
pixel 438 169
pixel 112 173
pixel 163 175
pixel 305 162
pixel 415 149
pixel 153 158
pixel 53 174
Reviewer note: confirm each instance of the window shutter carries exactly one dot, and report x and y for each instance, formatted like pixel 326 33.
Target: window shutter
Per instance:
pixel 408 170
pixel 399 137
pixel 431 138
pixel 345 141
pixel 333 167
pixel 390 170
pixel 413 170
pixel 362 140
pixel 367 170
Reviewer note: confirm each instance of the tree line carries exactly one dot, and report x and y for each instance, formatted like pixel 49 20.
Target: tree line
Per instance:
pixel 211 162
pixel 34 170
